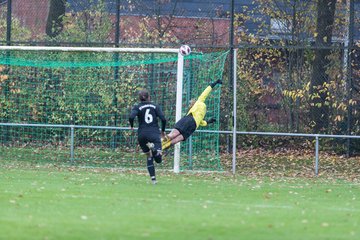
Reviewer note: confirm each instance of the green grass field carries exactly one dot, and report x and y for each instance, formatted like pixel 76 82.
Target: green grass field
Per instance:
pixel 72 203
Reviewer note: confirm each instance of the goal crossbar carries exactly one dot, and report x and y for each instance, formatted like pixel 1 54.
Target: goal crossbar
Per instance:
pixel 90 49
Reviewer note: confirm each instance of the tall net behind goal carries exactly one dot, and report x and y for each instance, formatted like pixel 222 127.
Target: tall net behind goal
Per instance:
pixel 72 107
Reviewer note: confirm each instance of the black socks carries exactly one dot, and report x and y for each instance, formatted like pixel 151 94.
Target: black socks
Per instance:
pixel 151 168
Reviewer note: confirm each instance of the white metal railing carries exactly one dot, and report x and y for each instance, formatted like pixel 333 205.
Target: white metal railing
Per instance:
pixel 317 137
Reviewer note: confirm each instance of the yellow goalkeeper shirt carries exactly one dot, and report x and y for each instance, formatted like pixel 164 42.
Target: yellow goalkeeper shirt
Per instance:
pixel 198 111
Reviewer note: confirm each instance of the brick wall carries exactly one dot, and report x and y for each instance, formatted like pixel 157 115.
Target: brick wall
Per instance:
pixel 32 14
pixel 188 30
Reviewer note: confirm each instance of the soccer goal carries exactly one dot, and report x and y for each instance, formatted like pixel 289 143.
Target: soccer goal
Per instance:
pixel 66 105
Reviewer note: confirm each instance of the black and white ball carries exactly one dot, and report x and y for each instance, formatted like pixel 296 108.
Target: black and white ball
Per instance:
pixel 185 50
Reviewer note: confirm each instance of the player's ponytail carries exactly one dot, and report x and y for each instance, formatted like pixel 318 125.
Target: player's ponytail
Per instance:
pixel 144 95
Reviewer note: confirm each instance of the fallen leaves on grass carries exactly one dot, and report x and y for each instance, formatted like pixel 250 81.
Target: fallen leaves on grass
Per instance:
pixel 293 163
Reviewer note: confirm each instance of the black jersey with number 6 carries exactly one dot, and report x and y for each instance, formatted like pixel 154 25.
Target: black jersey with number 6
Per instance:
pixel 148 114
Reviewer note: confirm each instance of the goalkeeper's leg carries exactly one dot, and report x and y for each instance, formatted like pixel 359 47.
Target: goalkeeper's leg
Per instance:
pixel 173 134
pixel 165 144
pixel 168 140
pixel 174 141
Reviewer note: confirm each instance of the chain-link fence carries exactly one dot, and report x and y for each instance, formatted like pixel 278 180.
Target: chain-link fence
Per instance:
pixel 114 22
pixel 297 69
pixel 298 62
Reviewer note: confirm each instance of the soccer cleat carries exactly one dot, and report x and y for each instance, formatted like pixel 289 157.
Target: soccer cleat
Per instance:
pixel 165 139
pixel 150 145
pixel 165 144
pixel 153 180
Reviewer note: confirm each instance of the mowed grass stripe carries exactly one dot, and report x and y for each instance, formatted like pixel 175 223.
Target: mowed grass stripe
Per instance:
pixel 56 203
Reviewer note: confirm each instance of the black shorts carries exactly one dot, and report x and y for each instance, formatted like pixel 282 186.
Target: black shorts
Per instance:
pixel 145 137
pixel 186 126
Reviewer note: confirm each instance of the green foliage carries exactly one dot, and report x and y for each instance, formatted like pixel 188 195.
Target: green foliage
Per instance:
pixel 91 25
pixel 18 32
pixel 274 89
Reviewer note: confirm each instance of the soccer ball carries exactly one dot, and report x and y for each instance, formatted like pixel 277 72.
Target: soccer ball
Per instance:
pixel 185 50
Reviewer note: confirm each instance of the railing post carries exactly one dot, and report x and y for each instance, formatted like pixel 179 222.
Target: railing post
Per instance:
pixel 316 155
pixel 72 127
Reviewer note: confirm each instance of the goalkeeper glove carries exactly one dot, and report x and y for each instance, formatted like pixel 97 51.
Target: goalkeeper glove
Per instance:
pixel 213 84
pixel 211 120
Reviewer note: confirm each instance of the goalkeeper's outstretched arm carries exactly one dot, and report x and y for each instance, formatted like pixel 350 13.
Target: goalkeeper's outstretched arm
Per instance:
pixel 207 90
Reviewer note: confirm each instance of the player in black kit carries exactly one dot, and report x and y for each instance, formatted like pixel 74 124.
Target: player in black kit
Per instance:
pixel 149 135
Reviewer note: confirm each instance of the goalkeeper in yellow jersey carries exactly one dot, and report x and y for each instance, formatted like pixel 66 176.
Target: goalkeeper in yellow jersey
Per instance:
pixel 193 119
